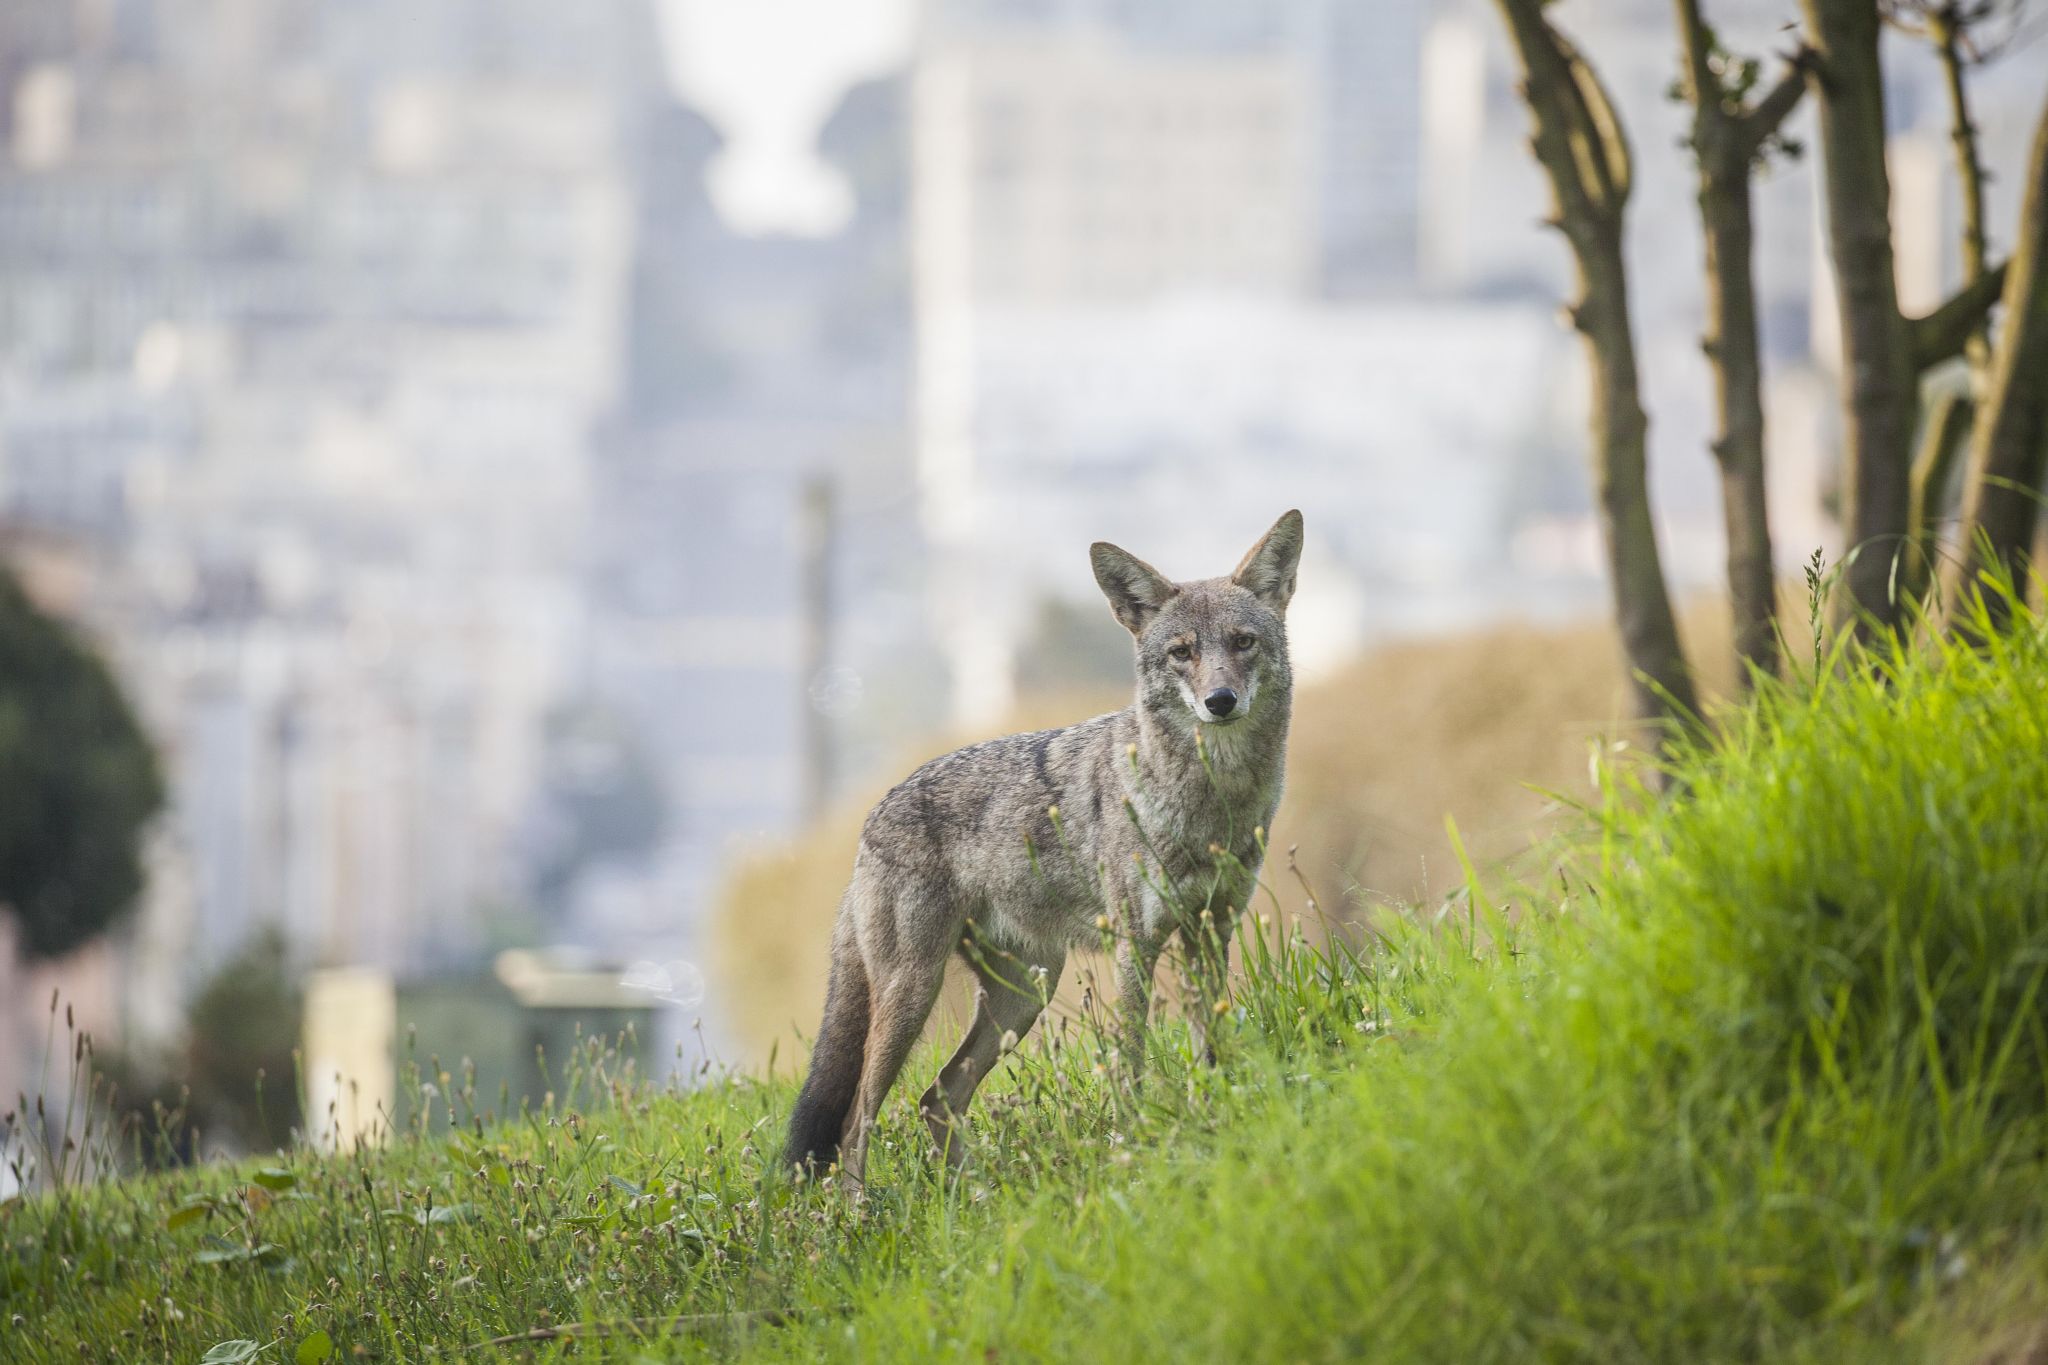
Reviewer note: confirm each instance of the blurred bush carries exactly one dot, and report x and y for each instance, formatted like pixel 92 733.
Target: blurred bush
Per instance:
pixel 233 1075
pixel 79 779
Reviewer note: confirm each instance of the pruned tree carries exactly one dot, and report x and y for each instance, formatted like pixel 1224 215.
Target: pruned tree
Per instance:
pixel 1963 34
pixel 78 783
pixel 1884 352
pixel 1579 141
pixel 1892 497
pixel 2009 453
pixel 1730 136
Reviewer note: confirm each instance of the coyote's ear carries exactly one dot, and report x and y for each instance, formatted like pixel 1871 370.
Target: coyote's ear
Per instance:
pixel 1136 591
pixel 1268 571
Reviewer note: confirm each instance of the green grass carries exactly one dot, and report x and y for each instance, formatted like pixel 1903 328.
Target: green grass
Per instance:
pixel 1759 1071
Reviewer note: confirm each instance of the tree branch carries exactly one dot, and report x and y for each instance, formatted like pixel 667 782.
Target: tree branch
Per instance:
pixel 2001 504
pixel 1702 91
pixel 1949 29
pixel 1610 141
pixel 1553 100
pixel 1941 334
pixel 1943 437
pixel 1768 114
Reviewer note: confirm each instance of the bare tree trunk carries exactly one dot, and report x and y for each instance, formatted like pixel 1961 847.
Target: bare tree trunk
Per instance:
pixel 1620 431
pixel 1727 139
pixel 1879 376
pixel 1579 142
pixel 1739 441
pixel 2002 498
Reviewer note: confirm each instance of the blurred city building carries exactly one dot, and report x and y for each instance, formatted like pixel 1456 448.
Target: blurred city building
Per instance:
pixel 384 1053
pixel 1179 89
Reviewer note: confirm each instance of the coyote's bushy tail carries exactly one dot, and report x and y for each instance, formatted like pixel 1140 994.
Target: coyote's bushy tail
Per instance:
pixel 834 1079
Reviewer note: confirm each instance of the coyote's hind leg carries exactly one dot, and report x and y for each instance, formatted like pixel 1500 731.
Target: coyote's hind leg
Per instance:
pixel 906 941
pixel 1010 994
pixel 902 1003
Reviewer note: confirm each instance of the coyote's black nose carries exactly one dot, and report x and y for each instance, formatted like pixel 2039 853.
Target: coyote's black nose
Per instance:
pixel 1221 702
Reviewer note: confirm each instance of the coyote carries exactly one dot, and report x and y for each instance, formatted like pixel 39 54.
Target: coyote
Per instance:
pixel 1132 826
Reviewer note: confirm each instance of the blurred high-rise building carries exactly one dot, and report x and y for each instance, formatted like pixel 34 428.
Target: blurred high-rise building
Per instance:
pixel 755 552
pixel 1350 181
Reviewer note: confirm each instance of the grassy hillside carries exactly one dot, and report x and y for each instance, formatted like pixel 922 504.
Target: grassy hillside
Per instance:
pixel 1759 1074
pixel 1478 726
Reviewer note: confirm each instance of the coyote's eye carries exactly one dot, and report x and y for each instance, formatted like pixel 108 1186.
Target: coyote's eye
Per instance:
pixel 1180 654
pixel 1241 643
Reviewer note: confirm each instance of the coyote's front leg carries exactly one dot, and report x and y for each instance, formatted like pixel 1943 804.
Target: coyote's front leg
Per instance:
pixel 1207 944
pixel 1136 956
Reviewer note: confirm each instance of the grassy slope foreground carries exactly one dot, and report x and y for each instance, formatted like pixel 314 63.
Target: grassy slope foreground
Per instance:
pixel 1761 1073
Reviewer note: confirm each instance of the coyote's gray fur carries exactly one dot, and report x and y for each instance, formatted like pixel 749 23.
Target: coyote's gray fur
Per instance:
pixel 1013 851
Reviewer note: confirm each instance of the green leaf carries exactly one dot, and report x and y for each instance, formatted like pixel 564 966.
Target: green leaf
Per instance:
pixel 267 1254
pixel 189 1212
pixel 440 1213
pixel 314 1349
pixel 231 1352
pixel 275 1179
pixel 628 1186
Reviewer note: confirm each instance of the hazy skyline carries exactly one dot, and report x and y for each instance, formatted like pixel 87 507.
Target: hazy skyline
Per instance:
pixel 768 73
